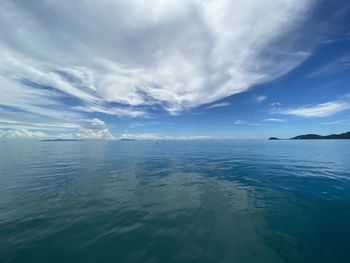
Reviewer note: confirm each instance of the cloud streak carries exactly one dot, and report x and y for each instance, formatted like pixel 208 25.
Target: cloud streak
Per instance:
pixel 273 120
pixel 219 105
pixel 317 110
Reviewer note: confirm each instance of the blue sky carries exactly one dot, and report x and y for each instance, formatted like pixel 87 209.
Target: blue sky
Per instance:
pixel 174 70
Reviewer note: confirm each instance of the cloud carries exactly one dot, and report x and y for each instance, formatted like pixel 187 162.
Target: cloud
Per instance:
pixel 22 133
pixel 136 124
pixel 337 66
pixel 219 105
pixel 276 104
pixel 261 98
pixel 274 120
pixel 95 129
pixel 239 122
pixel 82 134
pixel 87 129
pixel 95 122
pixel 172 55
pixel 336 122
pixel 121 112
pixel 51 126
pixel 318 110
pixel 37 101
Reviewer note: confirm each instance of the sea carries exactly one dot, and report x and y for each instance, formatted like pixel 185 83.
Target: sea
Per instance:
pixel 175 201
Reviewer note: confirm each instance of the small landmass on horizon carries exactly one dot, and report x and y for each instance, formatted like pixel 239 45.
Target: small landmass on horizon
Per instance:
pixel 345 135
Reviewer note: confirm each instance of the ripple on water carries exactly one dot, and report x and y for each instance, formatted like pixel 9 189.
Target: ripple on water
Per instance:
pixel 208 201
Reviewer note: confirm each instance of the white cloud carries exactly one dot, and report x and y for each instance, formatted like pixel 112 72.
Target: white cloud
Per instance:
pixel 42 102
pixel 95 129
pixel 22 133
pixel 239 122
pixel 318 110
pixel 170 54
pixel 86 129
pixel 261 98
pixel 336 122
pixel 39 125
pixel 274 120
pixel 91 134
pixel 136 124
pixel 219 105
pixel 339 65
pixel 121 112
pixel 82 134
pixel 276 104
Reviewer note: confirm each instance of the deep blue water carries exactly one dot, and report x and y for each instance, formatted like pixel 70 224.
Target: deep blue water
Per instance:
pixel 175 201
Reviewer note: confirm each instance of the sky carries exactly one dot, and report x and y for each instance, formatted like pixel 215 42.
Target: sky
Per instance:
pixel 159 69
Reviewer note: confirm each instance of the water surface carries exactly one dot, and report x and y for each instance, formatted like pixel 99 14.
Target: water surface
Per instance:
pixel 175 201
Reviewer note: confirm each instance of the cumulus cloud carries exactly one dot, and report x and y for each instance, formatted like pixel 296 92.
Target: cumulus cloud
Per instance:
pixel 318 110
pixel 114 57
pixel 95 129
pixel 87 129
pixel 22 133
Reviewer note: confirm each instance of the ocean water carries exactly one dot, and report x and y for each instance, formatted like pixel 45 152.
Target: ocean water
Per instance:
pixel 175 201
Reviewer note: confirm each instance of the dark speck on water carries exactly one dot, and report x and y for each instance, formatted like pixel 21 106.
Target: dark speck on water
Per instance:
pixel 178 201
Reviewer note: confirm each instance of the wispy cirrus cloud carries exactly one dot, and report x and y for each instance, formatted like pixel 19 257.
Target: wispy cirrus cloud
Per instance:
pixel 22 133
pixel 315 110
pixel 219 105
pixel 273 120
pixel 175 55
pixel 136 125
pixel 336 122
pixel 39 125
pixel 337 66
pixel 121 112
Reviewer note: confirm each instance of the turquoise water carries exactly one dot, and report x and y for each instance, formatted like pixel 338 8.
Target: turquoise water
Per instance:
pixel 175 201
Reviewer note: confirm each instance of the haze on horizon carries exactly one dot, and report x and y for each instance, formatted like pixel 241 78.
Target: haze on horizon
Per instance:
pixel 161 69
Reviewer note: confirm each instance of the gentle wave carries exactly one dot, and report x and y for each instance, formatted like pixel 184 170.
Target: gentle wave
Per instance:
pixel 175 201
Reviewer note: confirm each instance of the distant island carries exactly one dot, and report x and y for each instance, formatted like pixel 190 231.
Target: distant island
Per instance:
pixel 61 140
pixel 127 139
pixel 345 135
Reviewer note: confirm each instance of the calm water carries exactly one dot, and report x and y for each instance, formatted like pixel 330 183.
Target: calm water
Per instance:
pixel 193 201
